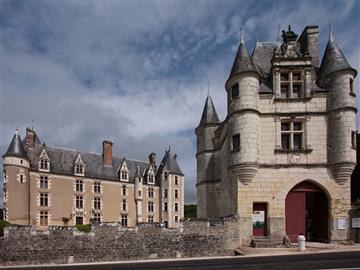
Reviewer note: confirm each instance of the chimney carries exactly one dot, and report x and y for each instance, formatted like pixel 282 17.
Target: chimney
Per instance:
pixel 30 138
pixel 309 41
pixel 107 153
pixel 152 159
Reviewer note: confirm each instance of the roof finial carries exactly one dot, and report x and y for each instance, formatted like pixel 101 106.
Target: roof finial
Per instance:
pixel 331 37
pixel 278 34
pixel 257 36
pixel 208 90
pixel 169 147
pixel 17 131
pixel 32 124
pixel 242 33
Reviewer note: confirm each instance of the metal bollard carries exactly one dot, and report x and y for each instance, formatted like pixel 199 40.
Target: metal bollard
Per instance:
pixel 301 242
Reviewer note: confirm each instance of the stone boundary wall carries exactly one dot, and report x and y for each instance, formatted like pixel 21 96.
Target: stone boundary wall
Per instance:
pixel 111 242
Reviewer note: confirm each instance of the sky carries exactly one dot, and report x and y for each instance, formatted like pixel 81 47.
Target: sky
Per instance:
pixel 136 72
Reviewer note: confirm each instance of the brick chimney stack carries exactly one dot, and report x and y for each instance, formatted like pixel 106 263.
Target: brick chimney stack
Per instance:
pixel 152 159
pixel 107 153
pixel 30 138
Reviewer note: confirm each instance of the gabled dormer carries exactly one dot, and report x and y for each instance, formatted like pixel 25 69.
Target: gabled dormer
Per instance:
pixel 44 161
pixel 123 171
pixel 79 166
pixel 291 69
pixel 150 175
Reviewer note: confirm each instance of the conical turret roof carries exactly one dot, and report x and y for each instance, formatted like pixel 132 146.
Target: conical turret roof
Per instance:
pixel 333 59
pixel 138 172
pixel 16 147
pixel 209 115
pixel 242 62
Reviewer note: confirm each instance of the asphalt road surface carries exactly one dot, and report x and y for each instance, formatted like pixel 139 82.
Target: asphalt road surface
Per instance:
pixel 334 260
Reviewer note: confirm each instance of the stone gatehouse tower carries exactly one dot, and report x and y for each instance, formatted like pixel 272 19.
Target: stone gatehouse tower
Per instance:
pixel 281 160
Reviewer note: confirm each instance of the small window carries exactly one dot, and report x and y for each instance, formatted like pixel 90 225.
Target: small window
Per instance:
pixel 44 164
pixel 176 219
pixel 124 175
pixel 296 90
pixel 176 194
pixel 79 220
pixel 165 193
pixel 151 193
pixel 176 180
pixel 351 86
pixel 79 169
pixel 123 190
pixel 236 142
pixel 296 77
pixel 139 192
pixel 79 202
pixel 150 179
pixel 96 217
pixel 124 220
pixel 235 91
pixel 44 183
pixel 292 135
pixel 124 205
pixel 79 186
pixel 353 139
pixel 97 187
pixel 44 218
pixel 21 178
pixel 165 207
pixel 166 176
pixel 44 199
pixel 284 90
pixel 150 207
pixel 150 219
pixel 284 76
pixel 97 203
pixel 176 207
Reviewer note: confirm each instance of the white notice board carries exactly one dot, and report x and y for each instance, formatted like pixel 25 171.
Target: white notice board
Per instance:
pixel 355 222
pixel 341 223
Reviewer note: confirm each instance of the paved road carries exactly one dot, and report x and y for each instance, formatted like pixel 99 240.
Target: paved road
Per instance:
pixel 334 260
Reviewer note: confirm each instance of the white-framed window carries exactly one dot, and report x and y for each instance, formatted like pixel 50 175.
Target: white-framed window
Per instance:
pixel 44 218
pixel 44 161
pixel 79 185
pixel 291 84
pixel 176 193
pixel 97 203
pixel 124 220
pixel 97 187
pixel 292 135
pixel 97 217
pixel 150 207
pixel 124 205
pixel 124 175
pixel 44 164
pixel 79 202
pixel 151 193
pixel 79 169
pixel 44 199
pixel 176 207
pixel 44 182
pixel 150 219
pixel 124 188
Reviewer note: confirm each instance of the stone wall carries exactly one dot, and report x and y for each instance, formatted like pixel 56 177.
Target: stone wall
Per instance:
pixel 111 242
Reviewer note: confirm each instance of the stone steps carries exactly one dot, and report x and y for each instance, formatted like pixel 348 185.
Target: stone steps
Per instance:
pixel 265 242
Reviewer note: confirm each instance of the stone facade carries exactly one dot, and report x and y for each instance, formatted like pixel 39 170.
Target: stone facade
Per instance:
pixel 111 242
pixel 289 123
pixel 49 186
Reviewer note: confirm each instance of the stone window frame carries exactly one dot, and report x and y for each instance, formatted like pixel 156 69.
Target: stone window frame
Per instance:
pixel 176 218
pixel 176 207
pixel 151 178
pixel 124 206
pixel 151 193
pixel 44 162
pixel 44 182
pixel 21 178
pixel 97 187
pixel 165 193
pixel 44 199
pixel 124 191
pixel 289 82
pixel 5 176
pixel 123 172
pixel 351 87
pixel 176 180
pixel 291 132
pixel 176 194
pixel 79 185
pixel 353 139
pixel 96 217
pixel 79 202
pixel 150 218
pixel 150 207
pixel 166 175
pixel 44 218
pixel 235 91
pixel 235 142
pixel 97 205
pixel 165 206
pixel 124 220
pixel 5 195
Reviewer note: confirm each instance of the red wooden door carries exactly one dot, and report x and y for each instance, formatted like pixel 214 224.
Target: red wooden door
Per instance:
pixel 295 205
pixel 259 219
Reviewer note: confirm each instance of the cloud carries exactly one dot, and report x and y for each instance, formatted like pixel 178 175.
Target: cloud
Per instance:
pixel 136 74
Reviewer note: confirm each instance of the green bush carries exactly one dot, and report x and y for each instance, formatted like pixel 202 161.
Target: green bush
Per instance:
pixel 357 202
pixel 3 224
pixel 86 228
pixel 190 211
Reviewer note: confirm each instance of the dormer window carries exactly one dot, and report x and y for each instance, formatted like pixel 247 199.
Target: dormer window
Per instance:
pixel 79 166
pixel 151 179
pixel 124 175
pixel 291 84
pixel 123 172
pixel 44 161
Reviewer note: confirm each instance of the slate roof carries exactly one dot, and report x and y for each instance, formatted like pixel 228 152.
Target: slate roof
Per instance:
pixel 261 56
pixel 333 59
pixel 242 62
pixel 170 164
pixel 16 148
pixel 209 115
pixel 62 162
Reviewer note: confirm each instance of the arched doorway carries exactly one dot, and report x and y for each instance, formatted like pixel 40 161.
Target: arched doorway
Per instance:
pixel 307 213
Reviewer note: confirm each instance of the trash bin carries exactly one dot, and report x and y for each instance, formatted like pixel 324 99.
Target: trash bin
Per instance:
pixel 301 242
